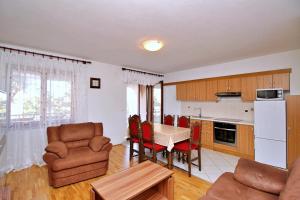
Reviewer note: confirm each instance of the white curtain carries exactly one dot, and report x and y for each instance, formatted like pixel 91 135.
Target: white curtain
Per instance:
pixel 41 92
pixel 132 77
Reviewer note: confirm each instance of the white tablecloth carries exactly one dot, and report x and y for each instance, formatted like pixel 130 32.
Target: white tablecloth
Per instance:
pixel 169 135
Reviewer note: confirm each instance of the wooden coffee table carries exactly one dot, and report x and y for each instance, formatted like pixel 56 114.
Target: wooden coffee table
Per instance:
pixel 143 181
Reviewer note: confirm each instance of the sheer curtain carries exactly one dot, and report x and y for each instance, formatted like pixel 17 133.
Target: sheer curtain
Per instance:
pixel 132 77
pixel 41 92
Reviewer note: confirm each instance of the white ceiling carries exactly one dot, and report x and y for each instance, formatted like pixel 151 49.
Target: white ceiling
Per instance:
pixel 195 32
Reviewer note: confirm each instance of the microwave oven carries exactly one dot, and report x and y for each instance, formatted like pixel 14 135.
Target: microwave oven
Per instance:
pixel 269 94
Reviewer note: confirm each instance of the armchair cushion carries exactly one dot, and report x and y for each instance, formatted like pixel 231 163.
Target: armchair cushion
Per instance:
pixel 260 176
pixel 97 142
pixel 58 148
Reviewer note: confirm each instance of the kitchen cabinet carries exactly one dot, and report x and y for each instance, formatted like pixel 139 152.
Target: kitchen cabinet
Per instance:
pixel 211 89
pixel 190 91
pixel 248 88
pixel 293 128
pixel 281 81
pixel 181 92
pixel 207 134
pixel 200 91
pixel 264 81
pixel 245 141
pixel 229 84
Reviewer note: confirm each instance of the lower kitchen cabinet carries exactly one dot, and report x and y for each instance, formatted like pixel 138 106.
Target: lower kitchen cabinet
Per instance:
pixel 245 141
pixel 207 139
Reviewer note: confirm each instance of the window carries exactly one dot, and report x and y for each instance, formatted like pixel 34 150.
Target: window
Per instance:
pixel 39 98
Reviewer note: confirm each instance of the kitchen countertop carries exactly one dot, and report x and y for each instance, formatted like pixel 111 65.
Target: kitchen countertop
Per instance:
pixel 216 119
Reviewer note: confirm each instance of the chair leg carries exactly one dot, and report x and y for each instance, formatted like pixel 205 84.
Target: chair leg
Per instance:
pixel 183 158
pixel 178 156
pixel 130 150
pixel 154 157
pixel 189 162
pixel 199 158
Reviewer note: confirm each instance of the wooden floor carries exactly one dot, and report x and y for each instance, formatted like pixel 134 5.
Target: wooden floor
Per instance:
pixel 32 183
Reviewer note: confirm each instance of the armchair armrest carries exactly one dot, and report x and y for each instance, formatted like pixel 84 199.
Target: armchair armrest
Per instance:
pixel 58 148
pixel 98 142
pixel 49 158
pixel 260 176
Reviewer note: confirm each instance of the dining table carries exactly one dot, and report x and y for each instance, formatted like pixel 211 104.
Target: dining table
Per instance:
pixel 167 135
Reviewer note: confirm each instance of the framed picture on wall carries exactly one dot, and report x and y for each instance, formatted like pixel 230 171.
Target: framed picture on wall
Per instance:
pixel 95 83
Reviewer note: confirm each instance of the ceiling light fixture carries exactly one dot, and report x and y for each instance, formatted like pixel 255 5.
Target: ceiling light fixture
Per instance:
pixel 152 45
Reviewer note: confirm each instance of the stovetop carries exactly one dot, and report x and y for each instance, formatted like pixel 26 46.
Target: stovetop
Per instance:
pixel 227 119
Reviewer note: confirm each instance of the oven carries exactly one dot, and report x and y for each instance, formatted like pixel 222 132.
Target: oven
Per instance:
pixel 225 133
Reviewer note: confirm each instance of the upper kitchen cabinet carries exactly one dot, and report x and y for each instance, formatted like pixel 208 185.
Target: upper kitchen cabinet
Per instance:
pixel 229 84
pixel 181 92
pixel 200 90
pixel 281 81
pixel 248 88
pixel 190 91
pixel 264 81
pixel 211 89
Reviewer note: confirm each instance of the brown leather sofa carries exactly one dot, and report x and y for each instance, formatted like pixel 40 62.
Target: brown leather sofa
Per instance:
pixel 76 152
pixel 255 181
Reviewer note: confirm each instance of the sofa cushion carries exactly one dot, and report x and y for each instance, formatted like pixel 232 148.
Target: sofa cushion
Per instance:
pixel 292 187
pixel 58 148
pixel 97 142
pixel 260 176
pixel 78 157
pixel 227 188
pixel 75 132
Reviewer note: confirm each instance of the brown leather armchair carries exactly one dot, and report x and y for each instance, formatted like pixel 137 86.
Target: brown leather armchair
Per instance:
pixel 76 152
pixel 256 181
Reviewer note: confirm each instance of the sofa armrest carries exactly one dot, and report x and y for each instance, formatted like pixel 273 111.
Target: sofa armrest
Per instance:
pixel 260 176
pixel 49 158
pixel 58 148
pixel 107 147
pixel 98 142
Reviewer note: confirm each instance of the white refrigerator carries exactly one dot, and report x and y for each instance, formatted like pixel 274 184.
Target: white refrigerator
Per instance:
pixel 270 132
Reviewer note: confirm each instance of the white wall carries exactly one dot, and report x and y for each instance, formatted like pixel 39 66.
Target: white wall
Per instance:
pixel 230 108
pixel 106 105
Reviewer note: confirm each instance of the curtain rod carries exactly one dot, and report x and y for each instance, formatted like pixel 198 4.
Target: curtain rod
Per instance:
pixel 47 55
pixel 159 75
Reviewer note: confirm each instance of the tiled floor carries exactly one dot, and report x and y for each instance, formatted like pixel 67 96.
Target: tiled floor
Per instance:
pixel 214 164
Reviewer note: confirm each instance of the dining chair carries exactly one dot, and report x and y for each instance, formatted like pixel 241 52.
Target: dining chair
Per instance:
pixel 148 140
pixel 184 122
pixel 134 123
pixel 194 143
pixel 169 120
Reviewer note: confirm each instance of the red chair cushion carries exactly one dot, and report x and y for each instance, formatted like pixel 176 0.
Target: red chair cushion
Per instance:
pixel 168 120
pixel 147 131
pixel 134 128
pixel 157 147
pixel 184 146
pixel 183 122
pixel 135 140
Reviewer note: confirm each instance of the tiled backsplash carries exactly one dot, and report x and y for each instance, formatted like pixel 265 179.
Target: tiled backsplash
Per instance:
pixel 232 108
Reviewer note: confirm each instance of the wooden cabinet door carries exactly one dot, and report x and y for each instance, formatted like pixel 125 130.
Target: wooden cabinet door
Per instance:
pixel 264 81
pixel 191 91
pixel 207 134
pixel 234 84
pixel 245 141
pixel 281 81
pixel 211 90
pixel 200 90
pixel 181 94
pixel 293 128
pixel 222 85
pixel 248 88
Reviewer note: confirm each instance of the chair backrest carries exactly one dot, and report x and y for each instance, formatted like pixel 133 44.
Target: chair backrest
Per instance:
pixel 169 120
pixel 183 121
pixel 196 133
pixel 147 132
pixel 74 135
pixel 134 126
